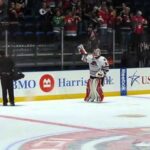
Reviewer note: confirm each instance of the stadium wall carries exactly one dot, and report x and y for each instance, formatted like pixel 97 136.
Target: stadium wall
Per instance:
pixel 72 84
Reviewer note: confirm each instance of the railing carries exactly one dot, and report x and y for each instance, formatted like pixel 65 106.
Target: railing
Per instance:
pixel 44 49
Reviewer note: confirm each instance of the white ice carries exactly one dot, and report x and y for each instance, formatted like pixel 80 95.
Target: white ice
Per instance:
pixel 36 119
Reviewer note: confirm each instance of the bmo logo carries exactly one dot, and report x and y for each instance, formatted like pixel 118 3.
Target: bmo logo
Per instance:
pixel 46 83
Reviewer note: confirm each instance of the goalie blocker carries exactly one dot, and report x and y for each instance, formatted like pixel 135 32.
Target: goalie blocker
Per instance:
pixel 81 49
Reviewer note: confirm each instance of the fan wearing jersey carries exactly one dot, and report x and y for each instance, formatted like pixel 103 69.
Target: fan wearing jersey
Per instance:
pixel 98 67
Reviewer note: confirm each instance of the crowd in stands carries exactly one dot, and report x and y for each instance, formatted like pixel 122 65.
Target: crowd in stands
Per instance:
pixel 95 18
pixel 75 15
pixel 99 13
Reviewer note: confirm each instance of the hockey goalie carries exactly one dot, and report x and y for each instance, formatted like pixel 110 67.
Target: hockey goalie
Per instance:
pixel 98 66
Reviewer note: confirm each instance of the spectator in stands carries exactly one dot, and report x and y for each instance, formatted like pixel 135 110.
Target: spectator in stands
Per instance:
pixel 138 22
pixel 12 12
pixel 103 17
pixel 89 15
pixel 23 4
pixel 77 10
pixel 16 11
pixel 93 40
pixel 112 17
pixel 57 23
pixel 44 9
pixel 46 15
pixel 123 15
pixel 71 21
pixel 3 10
pixel 124 22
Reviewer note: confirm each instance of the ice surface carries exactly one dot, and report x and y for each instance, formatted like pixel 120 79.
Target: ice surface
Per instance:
pixel 29 120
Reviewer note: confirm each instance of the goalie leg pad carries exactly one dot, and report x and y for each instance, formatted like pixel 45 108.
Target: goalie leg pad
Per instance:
pixel 94 91
pixel 87 91
pixel 100 91
pixel 97 91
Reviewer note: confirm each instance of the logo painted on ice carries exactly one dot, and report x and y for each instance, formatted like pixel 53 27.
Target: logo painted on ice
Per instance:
pixel 134 138
pixel 134 78
pixel 47 83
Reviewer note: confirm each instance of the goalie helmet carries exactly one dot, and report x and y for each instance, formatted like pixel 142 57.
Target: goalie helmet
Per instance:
pixel 96 52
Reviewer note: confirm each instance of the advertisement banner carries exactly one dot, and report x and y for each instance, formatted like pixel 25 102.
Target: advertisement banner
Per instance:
pixel 61 82
pixel 138 80
pixel 72 84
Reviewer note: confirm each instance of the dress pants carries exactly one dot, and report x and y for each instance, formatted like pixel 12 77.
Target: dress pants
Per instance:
pixel 7 90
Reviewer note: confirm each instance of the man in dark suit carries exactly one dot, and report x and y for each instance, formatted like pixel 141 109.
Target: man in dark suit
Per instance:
pixel 6 70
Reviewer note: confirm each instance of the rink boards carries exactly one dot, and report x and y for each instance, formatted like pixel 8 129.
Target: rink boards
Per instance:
pixel 72 84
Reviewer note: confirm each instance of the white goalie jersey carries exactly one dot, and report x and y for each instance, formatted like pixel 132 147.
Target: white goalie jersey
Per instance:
pixel 98 66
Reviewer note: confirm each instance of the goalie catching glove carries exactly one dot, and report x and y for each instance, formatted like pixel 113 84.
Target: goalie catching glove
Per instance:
pixel 81 49
pixel 100 74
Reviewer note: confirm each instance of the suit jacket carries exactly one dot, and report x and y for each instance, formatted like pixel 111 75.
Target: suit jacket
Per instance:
pixel 6 65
